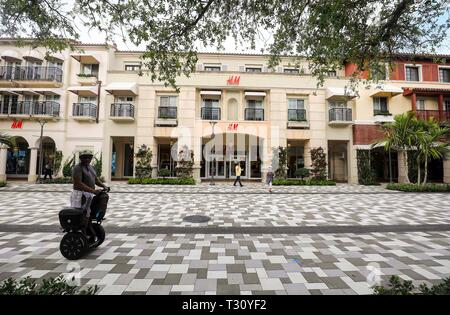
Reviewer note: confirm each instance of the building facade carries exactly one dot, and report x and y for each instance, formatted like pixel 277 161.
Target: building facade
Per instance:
pixel 232 109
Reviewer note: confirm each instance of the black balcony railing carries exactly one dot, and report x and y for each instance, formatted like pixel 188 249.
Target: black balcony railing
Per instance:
pixel 47 108
pixel 254 114
pixel 210 113
pixel 122 110
pixel 31 73
pixel 84 110
pixel 340 114
pixel 297 114
pixel 167 112
pixel 381 113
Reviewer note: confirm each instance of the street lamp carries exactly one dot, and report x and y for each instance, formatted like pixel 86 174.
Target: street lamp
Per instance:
pixel 213 170
pixel 41 155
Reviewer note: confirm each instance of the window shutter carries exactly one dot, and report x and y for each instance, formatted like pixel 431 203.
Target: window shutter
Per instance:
pixel 242 69
pixel 199 67
pixel 224 67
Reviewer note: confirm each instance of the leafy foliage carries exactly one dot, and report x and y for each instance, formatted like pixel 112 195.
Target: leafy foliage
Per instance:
pixel 398 286
pixel 280 161
pixel 185 163
pixel 366 175
pixel 161 181
pixel 52 286
pixel 68 166
pixel 366 33
pixel 318 163
pixel 421 188
pixel 144 162
pixel 302 173
pixel 2 184
pixel 98 162
pixel 57 162
pixel 164 172
pixel 302 182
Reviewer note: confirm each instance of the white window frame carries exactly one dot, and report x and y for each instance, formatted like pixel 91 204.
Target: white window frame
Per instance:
pixel 445 101
pixel 439 72
pixel 296 105
pixel 253 67
pixel 211 98
pixel 424 104
pixel 212 65
pixel 377 98
pixel 332 104
pixel 131 64
pixel 419 69
pixel 291 69
pixel 117 99
pixel 160 97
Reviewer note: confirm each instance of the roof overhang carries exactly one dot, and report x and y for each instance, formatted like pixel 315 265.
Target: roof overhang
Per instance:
pixel 207 92
pixel 11 55
pixel 83 90
pixel 85 58
pixel 122 88
pixel 407 91
pixel 25 91
pixel 33 55
pixel 339 93
pixel 387 90
pixel 56 57
pixel 8 91
pixel 46 91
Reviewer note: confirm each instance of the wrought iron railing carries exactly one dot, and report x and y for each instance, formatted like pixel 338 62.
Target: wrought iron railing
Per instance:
pixel 31 73
pixel 340 114
pixel 254 114
pixel 122 110
pixel 47 108
pixel 167 112
pixel 297 114
pixel 210 113
pixel 84 110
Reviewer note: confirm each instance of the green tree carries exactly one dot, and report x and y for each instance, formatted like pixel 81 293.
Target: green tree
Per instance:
pixel 318 163
pixel 144 162
pixel 400 135
pixel 326 33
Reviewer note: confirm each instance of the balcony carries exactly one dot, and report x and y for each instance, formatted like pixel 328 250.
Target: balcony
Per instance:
pixel 27 73
pixel 210 113
pixel 30 109
pixel 427 114
pixel 381 116
pixel 84 111
pixel 87 79
pixel 340 117
pixel 254 114
pixel 122 112
pixel 297 118
pixel 167 116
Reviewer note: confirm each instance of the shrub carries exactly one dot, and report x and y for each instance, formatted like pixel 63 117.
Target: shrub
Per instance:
pixel 303 182
pixel 144 162
pixel 319 163
pixel 57 162
pixel 52 286
pixel 420 188
pixel 302 173
pixel 280 159
pixel 164 172
pixel 68 166
pixel 2 184
pixel 161 181
pixel 98 165
pixel 61 180
pixel 185 164
pixel 398 286
pixel 366 175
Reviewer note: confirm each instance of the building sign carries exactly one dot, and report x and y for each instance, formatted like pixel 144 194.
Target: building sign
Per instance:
pixel 17 124
pixel 233 126
pixel 233 80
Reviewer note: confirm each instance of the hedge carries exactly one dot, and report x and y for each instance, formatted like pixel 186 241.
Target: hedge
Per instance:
pixel 52 286
pixel 2 184
pixel 61 180
pixel 161 181
pixel 420 188
pixel 303 182
pixel 397 286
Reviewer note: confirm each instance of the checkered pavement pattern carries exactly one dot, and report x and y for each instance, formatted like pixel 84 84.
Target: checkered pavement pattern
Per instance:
pixel 234 264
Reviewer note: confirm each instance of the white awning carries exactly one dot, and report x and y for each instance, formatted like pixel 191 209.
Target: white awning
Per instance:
pixel 8 91
pixel 255 93
pixel 123 88
pixel 85 58
pixel 56 57
pixel 48 91
pixel 11 55
pixel 336 93
pixel 84 90
pixel 33 55
pixel 387 90
pixel 24 91
pixel 206 92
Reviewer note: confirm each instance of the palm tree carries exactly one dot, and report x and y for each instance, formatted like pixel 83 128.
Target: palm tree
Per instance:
pixel 429 144
pixel 400 135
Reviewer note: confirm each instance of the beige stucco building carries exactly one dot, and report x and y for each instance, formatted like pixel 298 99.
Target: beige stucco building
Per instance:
pixel 97 99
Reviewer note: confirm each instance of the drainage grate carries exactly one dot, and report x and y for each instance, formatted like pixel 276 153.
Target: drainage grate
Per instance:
pixel 197 218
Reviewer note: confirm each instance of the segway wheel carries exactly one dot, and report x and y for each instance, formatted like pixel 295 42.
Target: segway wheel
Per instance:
pixel 100 231
pixel 73 245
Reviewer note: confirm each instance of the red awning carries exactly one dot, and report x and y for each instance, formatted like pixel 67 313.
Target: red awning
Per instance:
pixel 425 91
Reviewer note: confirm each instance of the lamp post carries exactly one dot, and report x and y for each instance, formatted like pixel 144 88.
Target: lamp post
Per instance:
pixel 213 170
pixel 41 155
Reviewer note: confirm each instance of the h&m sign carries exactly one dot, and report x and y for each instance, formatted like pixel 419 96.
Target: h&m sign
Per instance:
pixel 17 124
pixel 233 80
pixel 233 126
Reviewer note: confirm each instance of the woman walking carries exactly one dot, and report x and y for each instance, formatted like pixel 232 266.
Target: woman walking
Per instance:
pixel 269 178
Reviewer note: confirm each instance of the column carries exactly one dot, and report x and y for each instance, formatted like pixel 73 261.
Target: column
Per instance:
pixel 3 160
pixel 197 149
pixel 441 107
pixel 154 164
pixel 33 163
pixel 352 163
pixel 401 167
pixel 413 102
pixel 446 164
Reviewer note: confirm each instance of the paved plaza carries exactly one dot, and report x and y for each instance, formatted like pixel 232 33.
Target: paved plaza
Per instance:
pixel 297 240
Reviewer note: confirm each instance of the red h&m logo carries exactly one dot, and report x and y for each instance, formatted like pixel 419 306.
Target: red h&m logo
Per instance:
pixel 233 80
pixel 233 126
pixel 16 124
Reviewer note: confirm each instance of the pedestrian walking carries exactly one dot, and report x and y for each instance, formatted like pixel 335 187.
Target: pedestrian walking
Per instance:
pixel 269 178
pixel 48 169
pixel 238 171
